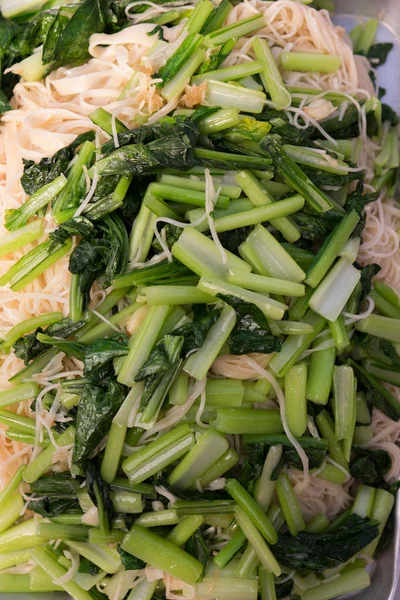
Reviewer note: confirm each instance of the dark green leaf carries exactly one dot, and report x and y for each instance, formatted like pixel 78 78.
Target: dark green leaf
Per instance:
pixel 99 492
pixel 72 45
pixel 75 226
pixel 315 227
pixel 59 492
pixel 348 126
pixel 4 103
pixel 101 352
pixel 378 53
pixel 231 240
pixel 315 552
pixel 97 407
pixel 283 590
pixel 376 395
pixel 106 254
pixel 251 332
pixel 197 547
pixel 388 114
pixel 158 30
pixel 59 484
pixel 53 506
pixel 86 566
pixel 160 367
pixel 131 563
pixel 203 111
pixel 252 468
pixel 357 200
pixel 370 466
pixel 323 178
pixel 164 128
pixel 28 347
pixel 217 58
pixel 161 358
pixel 196 331
pixel 36 175
pixel 367 274
pixel 379 349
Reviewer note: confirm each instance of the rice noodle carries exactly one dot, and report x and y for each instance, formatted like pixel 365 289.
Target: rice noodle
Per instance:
pixel 47 115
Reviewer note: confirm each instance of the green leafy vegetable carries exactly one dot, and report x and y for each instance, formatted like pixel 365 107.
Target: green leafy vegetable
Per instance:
pixel 97 407
pixel 104 254
pixel 315 552
pixel 251 332
pixel 217 58
pixel 100 353
pixel 71 42
pixel 130 562
pixel 378 53
pixel 376 395
pixel 197 547
pixel 162 361
pixel 194 333
pixel 59 492
pixel 379 349
pixel 99 492
pixel 252 468
pixel 388 114
pixel 28 347
pixel 86 566
pixel 323 178
pixel 370 466
pixel 367 274
pixel 315 227
pixel 36 175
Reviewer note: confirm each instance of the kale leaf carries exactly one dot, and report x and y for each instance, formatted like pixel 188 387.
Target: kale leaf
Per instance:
pixel 59 492
pixel 315 227
pixel 324 178
pixel 4 103
pixel 378 53
pixel 231 240
pixel 97 407
pixel 58 484
pixel 159 369
pixel 70 44
pixel 253 466
pixel 375 394
pixel 131 563
pixel 86 566
pixel 28 347
pixel 348 126
pixel 99 354
pixel 80 226
pixel 195 332
pixel 283 590
pixel 379 349
pixel 105 254
pixel 148 149
pixel 53 506
pixel 36 175
pixel 99 493
pixel 367 274
pixel 388 114
pixel 197 547
pixel 251 332
pixel 370 466
pixel 357 200
pixel 315 552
